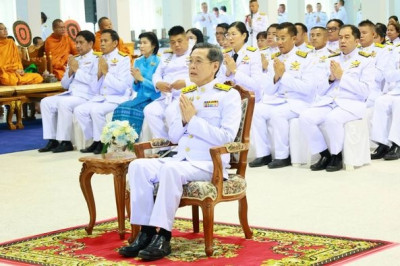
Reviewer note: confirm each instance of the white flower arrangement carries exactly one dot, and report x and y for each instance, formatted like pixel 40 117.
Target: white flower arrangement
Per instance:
pixel 118 133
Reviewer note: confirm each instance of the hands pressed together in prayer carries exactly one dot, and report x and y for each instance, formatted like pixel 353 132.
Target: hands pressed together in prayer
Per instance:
pixel 137 75
pixel 73 65
pixel 230 65
pixel 264 62
pixel 187 109
pixel 167 87
pixel 279 68
pixel 103 67
pixel 336 71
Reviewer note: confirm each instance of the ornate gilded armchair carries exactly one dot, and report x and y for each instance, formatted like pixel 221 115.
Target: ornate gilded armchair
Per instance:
pixel 208 194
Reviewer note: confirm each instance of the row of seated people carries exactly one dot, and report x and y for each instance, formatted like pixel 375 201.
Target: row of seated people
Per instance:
pixel 319 87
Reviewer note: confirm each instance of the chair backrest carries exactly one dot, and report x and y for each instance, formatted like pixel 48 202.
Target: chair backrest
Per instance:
pixel 239 160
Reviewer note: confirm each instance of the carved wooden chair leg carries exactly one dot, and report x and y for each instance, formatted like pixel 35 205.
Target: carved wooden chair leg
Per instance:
pixel 128 203
pixel 135 229
pixel 243 218
pixel 195 218
pixel 208 226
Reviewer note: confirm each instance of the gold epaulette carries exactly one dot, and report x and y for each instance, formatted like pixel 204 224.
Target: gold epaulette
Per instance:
pixel 98 53
pixel 189 89
pixel 262 13
pixel 227 50
pixel 359 46
pixel 275 55
pixel 222 87
pixel 251 48
pixel 123 54
pixel 301 53
pixel 168 51
pixel 379 45
pixel 389 43
pixel 365 54
pixel 333 55
pixel 265 48
pixel 309 46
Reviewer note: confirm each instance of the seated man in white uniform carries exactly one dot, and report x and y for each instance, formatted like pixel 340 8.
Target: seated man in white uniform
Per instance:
pixel 343 90
pixel 207 114
pixel 302 38
pixel 333 27
pixel 80 79
pixel 171 75
pixel 385 120
pixel 289 90
pixel 114 83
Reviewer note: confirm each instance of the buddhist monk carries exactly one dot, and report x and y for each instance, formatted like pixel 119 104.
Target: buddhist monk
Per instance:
pixel 105 24
pixel 61 47
pixel 11 70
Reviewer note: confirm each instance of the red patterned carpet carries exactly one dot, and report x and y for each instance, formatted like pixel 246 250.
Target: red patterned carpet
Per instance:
pixel 268 247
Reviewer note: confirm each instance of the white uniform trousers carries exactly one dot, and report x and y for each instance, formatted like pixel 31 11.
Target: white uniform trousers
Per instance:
pixel 57 115
pixel 385 120
pixel 91 117
pixel 333 117
pixel 171 175
pixel 154 114
pixel 277 117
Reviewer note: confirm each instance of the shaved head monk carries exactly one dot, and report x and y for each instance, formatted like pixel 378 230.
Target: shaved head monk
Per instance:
pixel 11 70
pixel 61 47
pixel 106 24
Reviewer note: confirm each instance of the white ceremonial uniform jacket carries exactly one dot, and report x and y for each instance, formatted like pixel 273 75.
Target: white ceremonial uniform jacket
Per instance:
pixel 171 69
pixel 268 52
pixel 380 55
pixel 305 47
pixel 392 73
pixel 321 63
pixel 248 70
pixel 215 123
pixel 83 83
pixel 352 90
pixel 116 86
pixel 309 19
pixel 259 23
pixel 333 47
pixel 296 87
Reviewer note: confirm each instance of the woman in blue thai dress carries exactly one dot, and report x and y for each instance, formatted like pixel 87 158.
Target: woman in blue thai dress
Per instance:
pixel 142 72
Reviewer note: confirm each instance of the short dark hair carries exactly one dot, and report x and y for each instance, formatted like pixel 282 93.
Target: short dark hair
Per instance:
pixel 223 8
pixel 273 25
pixel 215 8
pixel 342 2
pixel 43 16
pixel 283 5
pixel 354 30
pixel 55 22
pixel 223 25
pixel 318 28
pixel 101 20
pixel 340 22
pixel 36 39
pixel 381 29
pixel 87 35
pixel 289 26
pixel 252 1
pixel 303 27
pixel 214 53
pixel 176 30
pixel 197 33
pixel 261 34
pixel 394 17
pixel 113 33
pixel 241 27
pixel 366 23
pixel 152 37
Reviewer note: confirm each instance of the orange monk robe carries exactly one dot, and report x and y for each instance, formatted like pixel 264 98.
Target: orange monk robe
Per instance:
pixel 121 46
pixel 10 62
pixel 60 49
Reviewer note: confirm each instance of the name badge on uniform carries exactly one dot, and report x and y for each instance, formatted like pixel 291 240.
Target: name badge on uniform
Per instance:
pixel 114 62
pixel 210 103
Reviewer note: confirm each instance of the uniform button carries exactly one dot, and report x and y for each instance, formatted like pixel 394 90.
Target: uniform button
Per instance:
pixel 190 136
pixel 187 149
pixel 197 97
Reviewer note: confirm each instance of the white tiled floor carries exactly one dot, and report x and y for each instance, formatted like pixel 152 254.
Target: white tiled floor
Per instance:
pixel 40 193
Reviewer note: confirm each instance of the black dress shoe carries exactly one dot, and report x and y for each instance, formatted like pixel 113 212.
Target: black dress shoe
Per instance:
pixel 380 152
pixel 141 242
pixel 321 164
pixel 91 148
pixel 393 154
pixel 63 147
pixel 51 144
pixel 335 164
pixel 279 163
pixel 261 161
pixel 158 248
pixel 99 148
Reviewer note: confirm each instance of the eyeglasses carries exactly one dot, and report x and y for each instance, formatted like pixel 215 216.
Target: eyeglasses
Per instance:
pixel 196 62
pixel 3 29
pixel 332 29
